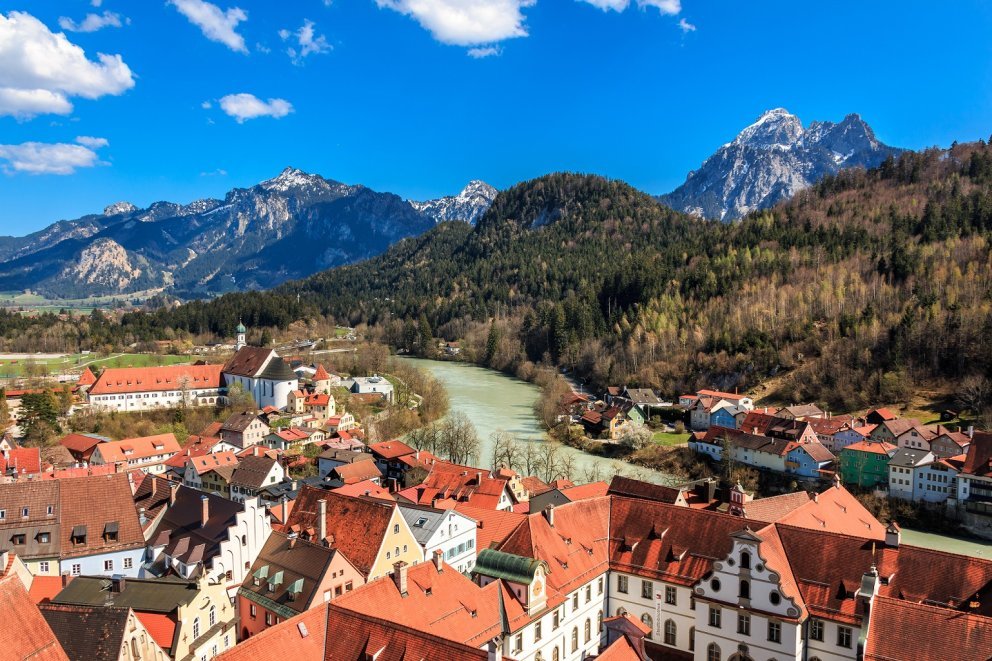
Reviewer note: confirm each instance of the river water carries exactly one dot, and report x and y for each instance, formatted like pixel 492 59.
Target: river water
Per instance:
pixel 496 402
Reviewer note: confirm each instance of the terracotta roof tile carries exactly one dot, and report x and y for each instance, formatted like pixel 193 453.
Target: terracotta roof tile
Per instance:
pixel 906 631
pixel 86 632
pixel 95 502
pixel 119 380
pixel 143 447
pixel 301 638
pixel 32 637
pixel 357 526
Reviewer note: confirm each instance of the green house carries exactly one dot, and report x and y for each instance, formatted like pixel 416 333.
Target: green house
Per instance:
pixel 866 464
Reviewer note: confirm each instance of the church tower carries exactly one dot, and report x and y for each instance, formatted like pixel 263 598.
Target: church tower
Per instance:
pixel 240 342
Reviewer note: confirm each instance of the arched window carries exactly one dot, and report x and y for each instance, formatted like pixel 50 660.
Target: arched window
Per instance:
pixel 575 640
pixel 670 632
pixel 745 560
pixel 649 623
pixel 692 639
pixel 213 615
pixel 712 652
pixel 599 621
pixel 196 628
pixel 588 630
pixel 554 653
pixel 745 591
pixel 135 654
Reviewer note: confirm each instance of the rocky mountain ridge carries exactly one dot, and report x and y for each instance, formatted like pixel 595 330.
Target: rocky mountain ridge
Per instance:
pixel 287 227
pixel 773 159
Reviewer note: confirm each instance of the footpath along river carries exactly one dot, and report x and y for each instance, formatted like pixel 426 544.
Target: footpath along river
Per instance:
pixel 495 402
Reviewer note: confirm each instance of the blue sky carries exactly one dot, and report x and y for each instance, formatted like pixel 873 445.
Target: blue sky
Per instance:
pixel 387 92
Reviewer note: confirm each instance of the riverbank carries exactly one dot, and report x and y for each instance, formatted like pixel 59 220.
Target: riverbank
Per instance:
pixel 496 402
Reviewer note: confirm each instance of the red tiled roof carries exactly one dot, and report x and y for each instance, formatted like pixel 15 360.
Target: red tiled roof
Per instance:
pixel 357 526
pixel 141 447
pixel 301 638
pixel 390 449
pixel 359 471
pixel 161 627
pixel 321 374
pixel 121 380
pixel 208 462
pixel 26 461
pixel 591 490
pixel 979 460
pixel 87 378
pixel 902 630
pixel 535 486
pixel 492 526
pixel 366 488
pixel 872 447
pixel 458 483
pixel 80 443
pixel 445 604
pixel 360 637
pixel 94 502
pixel 43 588
pixel 721 395
pixel 668 542
pixel 26 634
pixel 576 548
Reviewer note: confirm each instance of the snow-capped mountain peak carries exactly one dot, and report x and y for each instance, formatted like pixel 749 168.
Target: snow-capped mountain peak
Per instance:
pixel 467 206
pixel 294 178
pixel 773 159
pixel 774 129
pixel 118 208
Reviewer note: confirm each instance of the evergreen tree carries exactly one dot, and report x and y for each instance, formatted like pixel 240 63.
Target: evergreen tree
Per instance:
pixel 426 337
pixel 492 344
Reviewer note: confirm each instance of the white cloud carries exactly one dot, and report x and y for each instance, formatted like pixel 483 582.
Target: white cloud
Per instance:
pixel 670 7
pixel 96 3
pixel 47 158
pixel 219 172
pixel 686 26
pixel 243 107
pixel 605 5
pixel 92 22
pixel 40 70
pixel 216 24
pixel 308 42
pixel 206 105
pixel 91 142
pixel 487 51
pixel 465 22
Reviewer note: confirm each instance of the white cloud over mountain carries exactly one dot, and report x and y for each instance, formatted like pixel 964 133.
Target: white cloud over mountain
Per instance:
pixel 243 107
pixel 51 158
pixel 41 70
pixel 215 23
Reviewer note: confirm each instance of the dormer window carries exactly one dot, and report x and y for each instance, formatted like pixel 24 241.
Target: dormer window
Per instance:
pixel 110 531
pixel 78 535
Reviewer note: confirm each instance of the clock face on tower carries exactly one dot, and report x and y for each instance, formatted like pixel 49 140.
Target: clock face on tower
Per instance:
pixel 538 587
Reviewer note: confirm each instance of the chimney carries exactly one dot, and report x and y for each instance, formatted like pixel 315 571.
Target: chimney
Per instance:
pixel 400 576
pixel 294 486
pixel 322 519
pixel 117 583
pixel 494 651
pixel 173 490
pixel 154 486
pixel 478 477
pixel 204 510
pixel 971 431
pixel 66 578
pixel 3 560
pixel 142 518
pixel 549 514
pixel 439 560
pixel 893 535
pixel 284 514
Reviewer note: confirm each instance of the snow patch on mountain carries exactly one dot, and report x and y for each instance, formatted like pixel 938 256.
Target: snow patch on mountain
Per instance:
pixel 771 160
pixel 468 206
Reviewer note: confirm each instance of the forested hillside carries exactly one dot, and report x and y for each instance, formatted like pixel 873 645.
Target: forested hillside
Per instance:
pixel 855 292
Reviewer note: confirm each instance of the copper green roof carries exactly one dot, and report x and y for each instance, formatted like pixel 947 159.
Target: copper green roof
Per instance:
pixel 510 567
pixel 241 328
